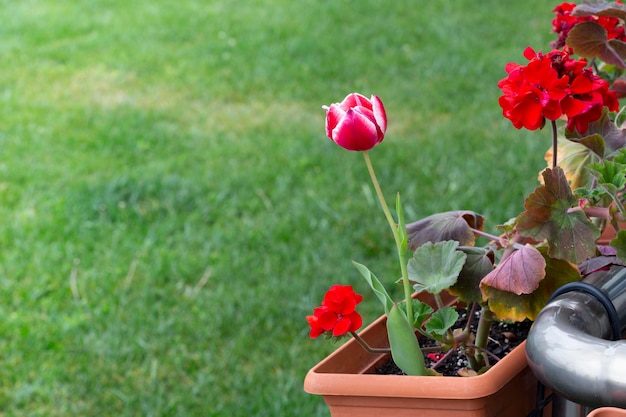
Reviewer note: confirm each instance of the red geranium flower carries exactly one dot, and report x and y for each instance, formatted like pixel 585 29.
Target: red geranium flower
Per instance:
pixel 337 315
pixel 588 95
pixel 565 21
pixel 532 93
pixel 551 85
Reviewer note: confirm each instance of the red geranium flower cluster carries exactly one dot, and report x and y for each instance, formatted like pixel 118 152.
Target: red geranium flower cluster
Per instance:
pixel 553 85
pixel 337 315
pixel 564 22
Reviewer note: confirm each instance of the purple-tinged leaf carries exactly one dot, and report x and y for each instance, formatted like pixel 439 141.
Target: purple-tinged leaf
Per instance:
pixel 510 306
pixel 478 264
pixel 600 9
pixel 451 225
pixel 589 40
pixel 520 273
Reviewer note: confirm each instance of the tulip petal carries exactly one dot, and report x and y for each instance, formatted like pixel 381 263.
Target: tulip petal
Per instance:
pixel 354 100
pixel 379 113
pixel 334 114
pixel 356 132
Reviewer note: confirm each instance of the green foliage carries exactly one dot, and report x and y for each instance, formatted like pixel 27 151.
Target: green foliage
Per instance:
pixel 619 243
pixel 171 207
pixel 377 287
pixel 611 178
pixel 436 267
pixel 441 321
pixel 405 348
pixel 421 311
pixel 479 263
pixel 570 234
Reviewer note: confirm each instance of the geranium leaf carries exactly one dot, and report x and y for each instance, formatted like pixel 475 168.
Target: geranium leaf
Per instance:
pixel 421 311
pixel 600 9
pixel 451 225
pixel 574 156
pixel 510 306
pixel 619 244
pixel 589 40
pixel 441 321
pixel 611 176
pixel 520 273
pixel 614 138
pixel 435 266
pixel 598 263
pixel 478 264
pixel 570 234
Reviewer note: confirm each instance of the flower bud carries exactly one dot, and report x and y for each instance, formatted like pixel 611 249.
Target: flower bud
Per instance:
pixel 356 124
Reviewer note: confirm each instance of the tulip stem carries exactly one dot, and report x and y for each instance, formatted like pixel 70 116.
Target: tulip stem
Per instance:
pixel 396 235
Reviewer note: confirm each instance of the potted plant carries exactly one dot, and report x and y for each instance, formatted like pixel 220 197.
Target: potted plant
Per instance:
pixel 509 278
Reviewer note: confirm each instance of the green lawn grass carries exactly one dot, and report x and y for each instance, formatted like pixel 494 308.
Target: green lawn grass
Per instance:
pixel 171 208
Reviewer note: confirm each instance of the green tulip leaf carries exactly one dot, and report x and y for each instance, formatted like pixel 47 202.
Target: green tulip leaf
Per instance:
pixel 436 266
pixel 570 234
pixel 451 225
pixel 376 286
pixel 405 348
pixel 404 239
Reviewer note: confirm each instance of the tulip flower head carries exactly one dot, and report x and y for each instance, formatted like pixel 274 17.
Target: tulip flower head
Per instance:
pixel 357 123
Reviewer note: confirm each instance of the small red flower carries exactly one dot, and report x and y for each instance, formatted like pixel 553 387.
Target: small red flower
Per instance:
pixel 357 123
pixel 337 315
pixel 435 357
pixel 564 21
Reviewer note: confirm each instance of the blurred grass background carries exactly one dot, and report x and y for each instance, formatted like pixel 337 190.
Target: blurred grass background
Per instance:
pixel 171 209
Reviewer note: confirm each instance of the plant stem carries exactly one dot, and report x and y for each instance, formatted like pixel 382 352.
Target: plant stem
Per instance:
pixel 554 144
pixel 482 332
pixel 495 238
pixel 367 347
pixel 396 236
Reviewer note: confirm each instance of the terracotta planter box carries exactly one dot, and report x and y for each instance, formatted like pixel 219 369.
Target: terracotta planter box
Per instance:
pixel 607 412
pixel 348 382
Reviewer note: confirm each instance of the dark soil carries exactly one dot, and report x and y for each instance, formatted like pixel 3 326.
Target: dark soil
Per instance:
pixel 503 337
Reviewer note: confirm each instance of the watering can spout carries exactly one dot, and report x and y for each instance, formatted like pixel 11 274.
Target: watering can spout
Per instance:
pixel 574 346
